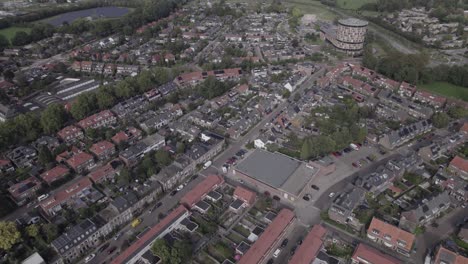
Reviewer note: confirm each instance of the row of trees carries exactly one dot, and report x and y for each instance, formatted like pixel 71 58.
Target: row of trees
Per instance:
pixel 28 127
pixel 211 87
pixel 413 68
pixel 341 128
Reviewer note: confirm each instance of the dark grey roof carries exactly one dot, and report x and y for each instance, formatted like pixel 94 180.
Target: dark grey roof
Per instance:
pixel 203 205
pixel 270 168
pixel 214 195
pixel 243 247
pixel 237 204
pixel 74 236
pixel 190 225
pixel 257 230
pixel 270 216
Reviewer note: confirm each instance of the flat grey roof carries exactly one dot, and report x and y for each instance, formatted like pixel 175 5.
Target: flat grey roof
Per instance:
pixel 270 168
pixel 353 22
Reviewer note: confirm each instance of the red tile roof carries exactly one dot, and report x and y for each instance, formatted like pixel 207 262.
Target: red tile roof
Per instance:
pixel 431 97
pixel 266 240
pixel 79 159
pixel 355 83
pixel 6 85
pixel 460 163
pixel 69 131
pixel 19 188
pixel 55 173
pixel 366 254
pixel 101 173
pixel 94 119
pixel 464 128
pixel 195 195
pixel 65 193
pixel 149 236
pixel 198 76
pixel 396 234
pixel 245 195
pixel 443 255
pixel 310 247
pixel 101 147
pixel 120 137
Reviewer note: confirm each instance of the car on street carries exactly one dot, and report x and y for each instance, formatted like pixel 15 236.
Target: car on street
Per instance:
pixel 293 250
pixel 284 243
pixel 306 197
pixel 355 165
pixel 315 187
pixel 194 177
pixel 180 187
pixel 117 236
pixel 101 249
pixel 173 193
pixel 89 258
pixel 300 240
pixel 111 250
pixel 336 154
pixel 331 195
pixel 347 150
pixel 158 205
pixel 271 261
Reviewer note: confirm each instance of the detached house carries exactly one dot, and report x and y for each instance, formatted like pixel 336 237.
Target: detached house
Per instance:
pixel 54 174
pixel 24 190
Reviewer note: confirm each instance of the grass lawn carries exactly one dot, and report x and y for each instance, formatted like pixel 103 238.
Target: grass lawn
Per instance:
pixel 312 7
pixel 352 4
pixel 10 32
pixel 447 89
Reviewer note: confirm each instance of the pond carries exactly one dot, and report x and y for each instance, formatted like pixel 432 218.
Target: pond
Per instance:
pixel 94 13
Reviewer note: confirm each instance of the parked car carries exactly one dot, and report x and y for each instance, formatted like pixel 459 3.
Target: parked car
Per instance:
pixel 315 187
pixel 89 258
pixel 306 197
pixel 331 195
pixel 111 250
pixel 284 243
pixel 101 249
pixel 173 193
pixel 354 164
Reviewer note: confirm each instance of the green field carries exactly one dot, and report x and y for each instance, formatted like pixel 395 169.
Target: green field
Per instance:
pixel 312 7
pixel 10 32
pixel 447 89
pixel 352 4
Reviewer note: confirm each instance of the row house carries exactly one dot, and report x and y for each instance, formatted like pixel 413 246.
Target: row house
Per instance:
pixel 134 153
pixel 344 204
pixel 102 119
pixel 57 173
pixel 78 240
pixel 193 78
pixel 398 137
pixel 407 89
pixel 103 150
pixel 426 97
pixel 456 186
pixel 363 72
pixel 119 212
pixel 23 156
pixel 130 136
pixel 369 255
pixel 24 190
pixel 81 162
pixel 124 69
pixel 391 236
pixel 459 166
pixel 70 134
pixel 386 83
pixel 104 173
pixel 425 212
pixel 54 204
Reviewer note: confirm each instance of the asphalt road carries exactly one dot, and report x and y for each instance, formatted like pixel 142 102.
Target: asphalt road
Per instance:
pixel 148 220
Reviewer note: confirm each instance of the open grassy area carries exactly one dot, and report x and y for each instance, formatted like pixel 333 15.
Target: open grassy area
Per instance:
pixel 10 32
pixel 353 4
pixel 312 7
pixel 447 89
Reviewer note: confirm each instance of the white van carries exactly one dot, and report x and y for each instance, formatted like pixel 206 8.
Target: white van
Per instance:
pixel 42 197
pixel 277 252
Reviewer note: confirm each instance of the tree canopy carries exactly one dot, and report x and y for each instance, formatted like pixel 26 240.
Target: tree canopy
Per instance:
pixel 9 234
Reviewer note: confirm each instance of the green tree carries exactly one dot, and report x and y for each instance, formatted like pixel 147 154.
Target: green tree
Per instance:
pixel 440 119
pixel 45 156
pixel 163 158
pixel 145 81
pixel 162 250
pixel 4 43
pixel 104 99
pixel 84 105
pixel 457 112
pixel 21 38
pixel 50 231
pixel 9 234
pixel 53 118
pixel 32 230
pixel 306 149
pixel 180 147
pixel 124 176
